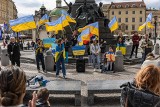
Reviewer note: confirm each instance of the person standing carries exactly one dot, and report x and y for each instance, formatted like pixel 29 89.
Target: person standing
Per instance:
pixel 60 58
pixel 95 50
pixel 103 50
pixel 135 40
pixel 39 48
pixel 32 44
pixel 14 52
pixel 120 36
pixel 66 42
pixel 147 47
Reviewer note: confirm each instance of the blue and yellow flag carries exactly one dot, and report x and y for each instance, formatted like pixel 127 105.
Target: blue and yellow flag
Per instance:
pixel 148 23
pixel 93 27
pixel 78 50
pixel 68 17
pixel 57 25
pixel 23 23
pixel 113 24
pixel 84 36
pixel 44 19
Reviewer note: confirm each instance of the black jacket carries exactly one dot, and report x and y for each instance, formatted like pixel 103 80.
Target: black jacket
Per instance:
pixel 41 103
pixel 133 97
pixel 14 50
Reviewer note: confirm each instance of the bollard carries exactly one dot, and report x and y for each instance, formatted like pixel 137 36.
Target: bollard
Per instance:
pixel 156 49
pixel 128 49
pixel 118 66
pixel 4 57
pixel 49 61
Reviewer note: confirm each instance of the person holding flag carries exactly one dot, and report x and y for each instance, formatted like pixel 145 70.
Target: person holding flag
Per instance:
pixel 60 58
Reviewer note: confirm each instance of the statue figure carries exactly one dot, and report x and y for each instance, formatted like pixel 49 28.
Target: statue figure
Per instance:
pixel 100 11
pixel 82 11
pixel 69 7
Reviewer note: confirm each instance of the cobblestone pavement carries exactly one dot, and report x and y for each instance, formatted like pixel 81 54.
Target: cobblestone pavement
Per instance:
pixel 108 100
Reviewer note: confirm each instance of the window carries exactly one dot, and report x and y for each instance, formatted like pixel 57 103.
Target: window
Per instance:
pixel 112 12
pixel 133 12
pixel 119 6
pixel 133 5
pixel 140 19
pixel 133 19
pixel 126 27
pixel 113 6
pixel 133 27
pixel 119 19
pixel 119 12
pixel 140 12
pixel 126 19
pixel 126 12
pixel 140 5
pixel 127 5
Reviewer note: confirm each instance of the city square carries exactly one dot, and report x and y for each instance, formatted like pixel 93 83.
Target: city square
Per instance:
pixel 85 53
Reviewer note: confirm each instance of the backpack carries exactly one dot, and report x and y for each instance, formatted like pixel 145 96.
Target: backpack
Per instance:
pixel 133 97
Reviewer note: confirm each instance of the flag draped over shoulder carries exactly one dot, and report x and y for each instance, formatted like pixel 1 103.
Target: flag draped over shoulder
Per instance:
pixel 57 25
pixel 93 27
pixel 113 24
pixel 147 23
pixel 44 19
pixel 23 23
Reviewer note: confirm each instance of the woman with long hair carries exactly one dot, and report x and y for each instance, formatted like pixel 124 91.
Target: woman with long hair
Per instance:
pixel 145 91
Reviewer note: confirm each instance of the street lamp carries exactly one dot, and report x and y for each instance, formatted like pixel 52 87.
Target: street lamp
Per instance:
pixel 155 31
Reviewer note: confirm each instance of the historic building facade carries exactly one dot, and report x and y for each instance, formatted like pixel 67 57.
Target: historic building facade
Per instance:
pixel 8 11
pixel 130 15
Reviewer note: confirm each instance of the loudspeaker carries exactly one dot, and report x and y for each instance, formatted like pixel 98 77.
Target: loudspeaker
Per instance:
pixel 80 65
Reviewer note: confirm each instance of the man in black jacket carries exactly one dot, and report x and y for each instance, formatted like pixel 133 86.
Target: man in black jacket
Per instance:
pixel 14 52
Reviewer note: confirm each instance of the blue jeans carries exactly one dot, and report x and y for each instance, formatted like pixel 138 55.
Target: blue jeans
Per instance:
pixel 96 60
pixel 60 61
pixel 66 57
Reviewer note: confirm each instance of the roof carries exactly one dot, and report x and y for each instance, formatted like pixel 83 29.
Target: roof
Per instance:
pixel 56 12
pixel 137 4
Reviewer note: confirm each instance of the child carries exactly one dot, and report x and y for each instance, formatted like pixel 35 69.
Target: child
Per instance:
pixel 110 59
pixel 43 97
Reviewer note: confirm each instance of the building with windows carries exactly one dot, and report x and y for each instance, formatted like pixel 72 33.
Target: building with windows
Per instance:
pixel 130 15
pixel 8 11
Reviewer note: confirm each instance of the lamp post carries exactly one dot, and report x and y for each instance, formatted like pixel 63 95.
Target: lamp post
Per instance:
pixel 155 31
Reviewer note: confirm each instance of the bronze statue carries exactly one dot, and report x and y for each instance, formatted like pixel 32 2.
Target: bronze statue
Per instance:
pixel 69 7
pixel 100 11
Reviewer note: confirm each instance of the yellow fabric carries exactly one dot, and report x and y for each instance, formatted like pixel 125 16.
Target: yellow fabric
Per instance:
pixel 114 27
pixel 93 30
pixel 122 49
pixel 70 19
pixel 149 25
pixel 58 54
pixel 79 52
pixel 65 23
pixel 54 28
pixel 24 26
pixel 47 45
pixel 81 43
pixel 41 22
pixel 110 56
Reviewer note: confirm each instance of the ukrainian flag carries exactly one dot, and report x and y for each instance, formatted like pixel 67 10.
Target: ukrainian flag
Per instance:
pixel 78 50
pixel 57 25
pixel 84 36
pixel 148 23
pixel 23 23
pixel 94 28
pixel 113 24
pixel 44 19
pixel 68 17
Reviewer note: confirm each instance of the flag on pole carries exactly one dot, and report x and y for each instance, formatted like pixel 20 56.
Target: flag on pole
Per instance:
pixel 44 19
pixel 68 17
pixel 23 23
pixel 93 27
pixel 113 24
pixel 147 23
pixel 57 25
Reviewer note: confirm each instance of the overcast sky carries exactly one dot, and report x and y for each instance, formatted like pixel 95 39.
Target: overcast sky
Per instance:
pixel 27 7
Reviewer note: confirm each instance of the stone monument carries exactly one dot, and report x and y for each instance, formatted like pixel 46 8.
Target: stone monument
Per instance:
pixel 86 12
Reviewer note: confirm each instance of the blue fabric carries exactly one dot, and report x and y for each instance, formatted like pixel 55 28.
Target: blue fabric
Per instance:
pixel 60 49
pixel 58 63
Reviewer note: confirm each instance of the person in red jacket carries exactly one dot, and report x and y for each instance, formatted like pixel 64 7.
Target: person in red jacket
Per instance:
pixel 135 40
